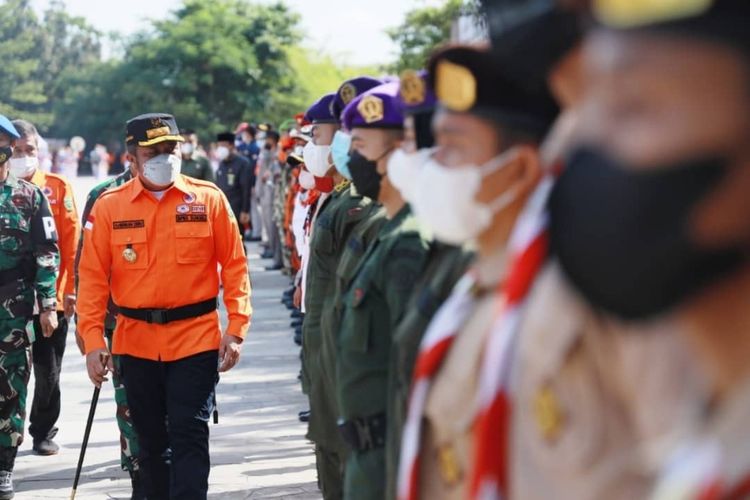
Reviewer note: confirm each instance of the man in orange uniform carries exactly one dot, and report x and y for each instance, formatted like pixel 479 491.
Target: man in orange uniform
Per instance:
pixel 48 351
pixel 155 244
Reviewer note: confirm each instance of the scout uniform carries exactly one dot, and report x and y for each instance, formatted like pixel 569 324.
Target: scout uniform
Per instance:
pixel 29 261
pixel 445 266
pixel 438 445
pixel 591 404
pixel 158 258
pixel 373 306
pixel 338 215
pixel 128 437
pixel 48 352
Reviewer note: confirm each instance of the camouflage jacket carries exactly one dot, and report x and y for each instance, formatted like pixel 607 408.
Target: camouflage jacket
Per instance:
pixel 94 194
pixel 28 244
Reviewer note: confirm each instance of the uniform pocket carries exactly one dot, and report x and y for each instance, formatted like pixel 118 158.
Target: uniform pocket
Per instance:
pixel 130 248
pixel 193 242
pixel 14 232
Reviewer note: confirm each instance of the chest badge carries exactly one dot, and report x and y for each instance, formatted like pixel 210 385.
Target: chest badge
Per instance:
pixel 548 412
pixel 129 255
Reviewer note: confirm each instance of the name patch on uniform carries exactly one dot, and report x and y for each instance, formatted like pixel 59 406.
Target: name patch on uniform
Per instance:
pixel 192 218
pixel 128 224
pixel 198 209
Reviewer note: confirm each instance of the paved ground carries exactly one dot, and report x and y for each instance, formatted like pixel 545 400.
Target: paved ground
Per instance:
pixel 258 449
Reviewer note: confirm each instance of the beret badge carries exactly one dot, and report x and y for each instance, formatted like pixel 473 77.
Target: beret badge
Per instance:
pixel 371 108
pixel 455 86
pixel 348 92
pixel 412 88
pixel 632 13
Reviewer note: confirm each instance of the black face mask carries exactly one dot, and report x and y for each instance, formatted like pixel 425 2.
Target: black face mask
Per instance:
pixel 540 31
pixel 622 236
pixel 5 153
pixel 365 175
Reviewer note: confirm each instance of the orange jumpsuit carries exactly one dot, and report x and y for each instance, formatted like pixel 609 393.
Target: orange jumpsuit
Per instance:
pixel 59 193
pixel 162 254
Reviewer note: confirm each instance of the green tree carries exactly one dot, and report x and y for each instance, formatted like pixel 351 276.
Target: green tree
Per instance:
pixel 422 30
pixel 20 43
pixel 212 63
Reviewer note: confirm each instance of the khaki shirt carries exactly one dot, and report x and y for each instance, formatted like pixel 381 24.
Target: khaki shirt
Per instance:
pixel 447 446
pixel 717 454
pixel 597 404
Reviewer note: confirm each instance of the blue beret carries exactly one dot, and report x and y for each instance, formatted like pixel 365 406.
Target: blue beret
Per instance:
pixel 414 94
pixel 321 111
pixel 351 89
pixel 377 108
pixel 7 127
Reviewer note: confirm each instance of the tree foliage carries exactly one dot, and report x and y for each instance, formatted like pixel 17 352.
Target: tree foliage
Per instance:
pixel 212 63
pixel 423 30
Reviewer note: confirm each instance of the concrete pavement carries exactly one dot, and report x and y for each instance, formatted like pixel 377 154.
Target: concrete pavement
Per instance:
pixel 258 450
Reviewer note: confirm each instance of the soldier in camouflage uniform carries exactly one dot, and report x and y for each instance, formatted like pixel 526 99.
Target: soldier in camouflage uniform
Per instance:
pixel 128 436
pixel 29 263
pixel 376 300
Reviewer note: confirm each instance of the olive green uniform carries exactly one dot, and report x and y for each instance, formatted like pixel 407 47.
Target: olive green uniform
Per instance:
pixel 29 264
pixel 338 217
pixel 373 306
pixel 197 167
pixel 445 266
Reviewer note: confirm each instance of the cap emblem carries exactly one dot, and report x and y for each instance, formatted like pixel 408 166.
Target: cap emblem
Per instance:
pixel 632 13
pixel 371 108
pixel 412 88
pixel 348 92
pixel 455 86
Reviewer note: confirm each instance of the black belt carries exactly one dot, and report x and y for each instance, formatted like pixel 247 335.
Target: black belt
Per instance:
pixel 364 434
pixel 11 275
pixel 164 316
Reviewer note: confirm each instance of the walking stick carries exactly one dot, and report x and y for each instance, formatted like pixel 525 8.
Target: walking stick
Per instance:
pixel 87 433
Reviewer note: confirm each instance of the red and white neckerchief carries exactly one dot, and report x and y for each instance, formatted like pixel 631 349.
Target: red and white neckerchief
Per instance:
pixel 528 247
pixel 435 345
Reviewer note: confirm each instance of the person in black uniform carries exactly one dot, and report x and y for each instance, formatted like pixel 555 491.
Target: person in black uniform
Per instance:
pixel 233 177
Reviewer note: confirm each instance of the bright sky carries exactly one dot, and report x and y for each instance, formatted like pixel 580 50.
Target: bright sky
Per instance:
pixel 352 29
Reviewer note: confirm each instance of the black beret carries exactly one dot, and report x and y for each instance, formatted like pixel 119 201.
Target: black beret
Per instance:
pixel 466 79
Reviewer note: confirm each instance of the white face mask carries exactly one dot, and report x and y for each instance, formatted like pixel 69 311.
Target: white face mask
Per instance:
pixel 306 179
pixel 445 200
pixel 222 152
pixel 405 170
pixel 24 167
pixel 186 148
pixel 316 159
pixel 162 170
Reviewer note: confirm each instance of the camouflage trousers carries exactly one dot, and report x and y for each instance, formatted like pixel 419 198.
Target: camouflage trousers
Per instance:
pixel 129 450
pixel 15 369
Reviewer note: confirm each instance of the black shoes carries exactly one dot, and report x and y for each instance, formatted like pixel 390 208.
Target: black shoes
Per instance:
pixel 304 416
pixel 45 447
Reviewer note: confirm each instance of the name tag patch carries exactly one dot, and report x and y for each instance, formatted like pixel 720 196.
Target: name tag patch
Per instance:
pixel 128 224
pixel 192 218
pixel 198 209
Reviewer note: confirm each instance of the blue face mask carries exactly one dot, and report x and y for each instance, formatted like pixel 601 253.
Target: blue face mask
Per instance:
pixel 340 147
